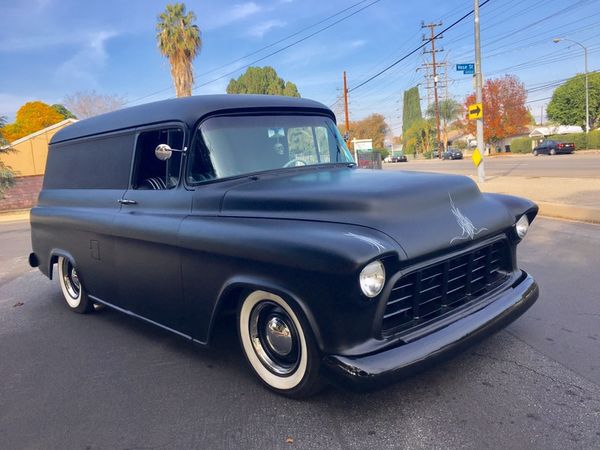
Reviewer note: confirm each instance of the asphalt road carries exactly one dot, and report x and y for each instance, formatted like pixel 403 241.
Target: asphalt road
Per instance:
pixel 569 166
pixel 108 381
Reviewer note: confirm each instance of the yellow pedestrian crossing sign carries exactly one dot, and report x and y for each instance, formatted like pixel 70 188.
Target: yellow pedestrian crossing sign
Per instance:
pixel 476 157
pixel 475 111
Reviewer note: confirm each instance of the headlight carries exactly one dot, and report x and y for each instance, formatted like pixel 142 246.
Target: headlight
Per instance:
pixel 372 279
pixel 522 226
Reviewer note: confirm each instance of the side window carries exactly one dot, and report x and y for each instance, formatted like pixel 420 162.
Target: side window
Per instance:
pixel 94 163
pixel 150 172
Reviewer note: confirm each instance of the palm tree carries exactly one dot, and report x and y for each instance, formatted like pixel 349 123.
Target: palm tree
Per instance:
pixel 179 40
pixel 450 110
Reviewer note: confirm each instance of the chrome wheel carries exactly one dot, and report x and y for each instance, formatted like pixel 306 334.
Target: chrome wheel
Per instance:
pixel 276 345
pixel 72 288
pixel 274 338
pixel 69 282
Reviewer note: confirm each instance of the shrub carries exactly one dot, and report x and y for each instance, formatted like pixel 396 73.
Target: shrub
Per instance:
pixel 521 145
pixel 581 140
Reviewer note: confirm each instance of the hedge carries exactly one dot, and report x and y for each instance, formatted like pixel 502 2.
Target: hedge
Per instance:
pixel 521 145
pixel 581 141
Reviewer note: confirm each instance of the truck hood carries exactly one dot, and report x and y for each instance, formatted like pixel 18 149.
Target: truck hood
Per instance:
pixel 422 212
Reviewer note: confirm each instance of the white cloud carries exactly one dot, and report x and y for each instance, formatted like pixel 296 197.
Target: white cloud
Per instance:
pixel 259 30
pixel 358 43
pixel 227 16
pixel 90 58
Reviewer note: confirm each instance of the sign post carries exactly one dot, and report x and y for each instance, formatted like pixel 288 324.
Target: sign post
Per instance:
pixel 478 97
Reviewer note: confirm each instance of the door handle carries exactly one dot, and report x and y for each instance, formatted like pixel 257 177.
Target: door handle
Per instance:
pixel 124 201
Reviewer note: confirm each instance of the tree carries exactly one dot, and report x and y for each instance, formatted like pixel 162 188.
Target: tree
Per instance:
pixel 179 41
pixel 63 111
pixel 567 106
pixel 450 110
pixel 504 111
pixel 6 175
pixel 420 137
pixel 411 111
pixel 262 80
pixel 372 127
pixel 31 117
pixel 86 104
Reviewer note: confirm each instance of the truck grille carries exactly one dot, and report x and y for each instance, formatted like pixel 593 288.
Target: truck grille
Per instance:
pixel 433 290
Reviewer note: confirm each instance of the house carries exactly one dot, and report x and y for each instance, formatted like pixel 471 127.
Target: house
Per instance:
pixel 28 162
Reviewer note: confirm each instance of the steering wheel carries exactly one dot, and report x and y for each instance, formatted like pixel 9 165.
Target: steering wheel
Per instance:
pixel 292 162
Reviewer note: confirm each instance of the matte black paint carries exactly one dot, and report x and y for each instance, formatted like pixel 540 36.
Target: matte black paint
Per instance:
pixel 177 257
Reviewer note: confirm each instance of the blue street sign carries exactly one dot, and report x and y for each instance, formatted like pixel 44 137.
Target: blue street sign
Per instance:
pixel 469 72
pixel 467 68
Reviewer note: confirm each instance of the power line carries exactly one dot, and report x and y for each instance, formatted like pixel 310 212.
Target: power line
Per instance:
pixel 272 44
pixel 398 61
pixel 287 46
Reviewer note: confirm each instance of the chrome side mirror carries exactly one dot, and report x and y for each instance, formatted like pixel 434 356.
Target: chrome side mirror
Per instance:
pixel 163 152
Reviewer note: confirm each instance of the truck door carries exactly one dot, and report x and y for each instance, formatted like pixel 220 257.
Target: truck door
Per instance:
pixel 146 231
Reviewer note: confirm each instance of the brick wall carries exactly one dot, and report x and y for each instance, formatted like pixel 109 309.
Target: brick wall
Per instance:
pixel 23 195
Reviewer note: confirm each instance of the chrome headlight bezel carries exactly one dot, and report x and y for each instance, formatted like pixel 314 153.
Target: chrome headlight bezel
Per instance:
pixel 372 279
pixel 522 226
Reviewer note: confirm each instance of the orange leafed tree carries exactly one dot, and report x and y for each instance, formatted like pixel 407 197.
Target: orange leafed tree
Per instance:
pixel 31 117
pixel 504 111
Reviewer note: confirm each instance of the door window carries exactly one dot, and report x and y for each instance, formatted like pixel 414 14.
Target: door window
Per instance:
pixel 150 172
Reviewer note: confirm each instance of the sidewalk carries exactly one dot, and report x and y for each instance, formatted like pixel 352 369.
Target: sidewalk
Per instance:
pixel 15 215
pixel 566 198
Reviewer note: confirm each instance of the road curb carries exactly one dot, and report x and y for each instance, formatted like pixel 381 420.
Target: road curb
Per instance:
pixel 572 212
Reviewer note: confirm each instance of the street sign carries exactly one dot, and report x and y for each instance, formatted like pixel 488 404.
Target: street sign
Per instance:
pixel 475 111
pixel 466 69
pixel 476 157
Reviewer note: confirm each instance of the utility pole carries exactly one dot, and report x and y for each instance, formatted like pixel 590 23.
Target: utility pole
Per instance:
pixel 479 95
pixel 346 114
pixel 433 51
pixel 542 115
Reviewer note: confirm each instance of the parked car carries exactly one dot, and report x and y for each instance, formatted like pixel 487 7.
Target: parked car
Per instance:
pixel 452 153
pixel 183 211
pixel 551 147
pixel 398 158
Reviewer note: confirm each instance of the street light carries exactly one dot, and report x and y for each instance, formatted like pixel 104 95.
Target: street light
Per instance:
pixel 587 98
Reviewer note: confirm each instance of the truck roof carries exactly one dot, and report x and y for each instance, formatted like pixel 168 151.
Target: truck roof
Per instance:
pixel 185 109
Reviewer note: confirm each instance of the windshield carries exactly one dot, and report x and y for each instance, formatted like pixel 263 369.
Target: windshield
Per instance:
pixel 237 145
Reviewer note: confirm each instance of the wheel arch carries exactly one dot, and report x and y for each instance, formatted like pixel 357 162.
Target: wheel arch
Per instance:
pixel 236 288
pixel 56 253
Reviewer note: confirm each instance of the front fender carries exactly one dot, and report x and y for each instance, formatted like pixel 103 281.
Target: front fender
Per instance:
pixel 240 285
pixel 313 264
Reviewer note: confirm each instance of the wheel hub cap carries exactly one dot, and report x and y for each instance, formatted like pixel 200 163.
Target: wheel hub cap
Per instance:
pixel 279 336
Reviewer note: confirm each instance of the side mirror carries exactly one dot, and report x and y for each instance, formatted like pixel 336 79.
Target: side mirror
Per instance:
pixel 163 152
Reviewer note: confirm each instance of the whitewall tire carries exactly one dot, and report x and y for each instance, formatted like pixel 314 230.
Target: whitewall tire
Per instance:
pixel 278 344
pixel 72 288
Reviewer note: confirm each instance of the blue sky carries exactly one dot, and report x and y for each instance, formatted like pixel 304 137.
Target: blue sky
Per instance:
pixel 52 48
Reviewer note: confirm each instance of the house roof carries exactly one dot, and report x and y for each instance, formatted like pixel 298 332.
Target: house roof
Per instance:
pixel 186 109
pixel 37 133
pixel 560 129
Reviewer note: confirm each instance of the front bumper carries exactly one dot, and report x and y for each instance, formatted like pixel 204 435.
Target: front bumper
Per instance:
pixel 376 369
